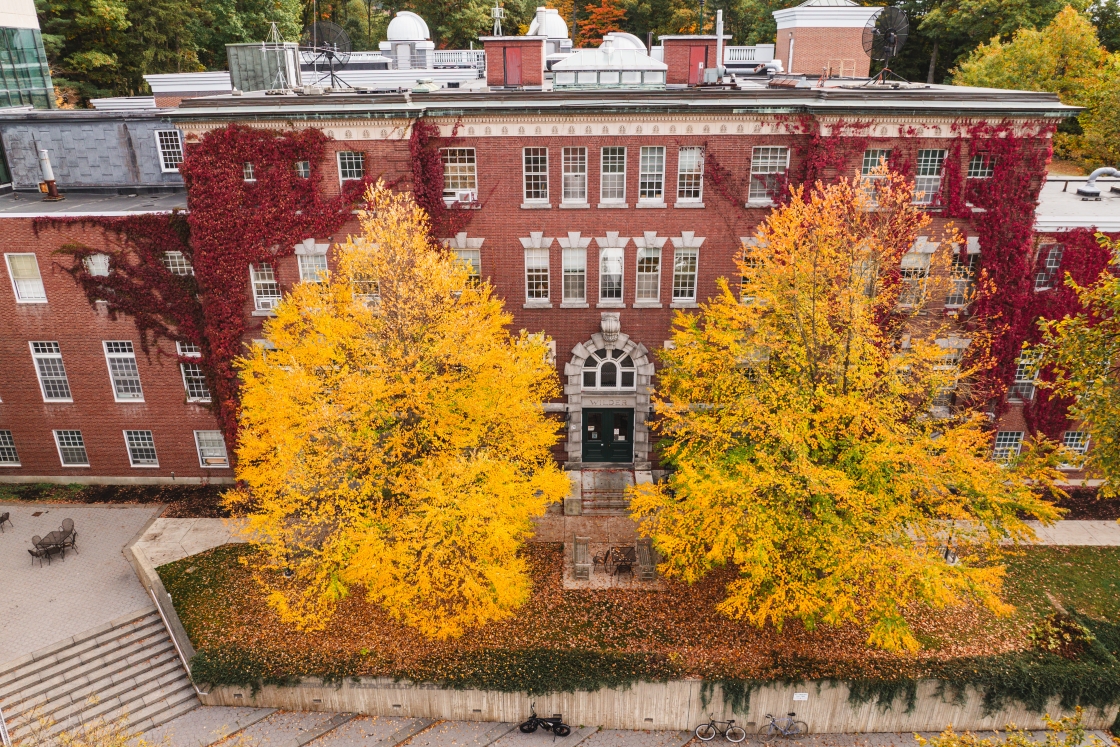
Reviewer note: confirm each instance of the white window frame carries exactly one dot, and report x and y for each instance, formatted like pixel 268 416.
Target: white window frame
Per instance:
pixel 612 254
pixel 930 169
pixel 259 284
pixel 913 277
pixel 682 276
pixel 533 264
pixel 1075 441
pixel 574 182
pixel 58 446
pixel 8 446
pixel 129 436
pixel 248 173
pixel 594 363
pixel 202 458
pixel 647 283
pixel 460 171
pixel 196 374
pixel 651 171
pixel 24 297
pixel 962 276
pixel 1044 278
pixel 312 273
pixel 613 173
pixel 56 354
pixel 303 169
pixel 575 270
pixel 1026 377
pixel 177 263
pixel 349 168
pixel 768 162
pixel 122 351
pixel 538 176
pixel 981 166
pixel 165 157
pixel 1008 447
pixel 472 258
pixel 97 265
pixel 692 180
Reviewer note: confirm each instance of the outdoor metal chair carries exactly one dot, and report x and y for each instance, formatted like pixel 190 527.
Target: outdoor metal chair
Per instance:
pixel 69 536
pixel 624 567
pixel 5 518
pixel 602 559
pixel 40 554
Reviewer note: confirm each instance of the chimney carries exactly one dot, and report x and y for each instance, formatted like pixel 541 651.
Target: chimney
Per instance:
pixel 514 61
pixel 823 35
pixel 688 55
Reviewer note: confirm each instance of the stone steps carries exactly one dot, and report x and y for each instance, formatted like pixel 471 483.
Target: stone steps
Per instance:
pixel 127 666
pixel 605 504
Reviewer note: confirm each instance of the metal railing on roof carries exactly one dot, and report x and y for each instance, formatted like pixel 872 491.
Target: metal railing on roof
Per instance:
pixel 761 53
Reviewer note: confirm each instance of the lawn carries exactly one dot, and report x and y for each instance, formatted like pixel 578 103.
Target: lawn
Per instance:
pixel 584 638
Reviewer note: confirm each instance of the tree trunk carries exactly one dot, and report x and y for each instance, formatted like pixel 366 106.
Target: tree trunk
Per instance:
pixel 932 62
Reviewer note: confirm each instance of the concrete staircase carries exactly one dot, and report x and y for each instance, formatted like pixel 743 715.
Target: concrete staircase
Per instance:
pixel 604 491
pixel 126 666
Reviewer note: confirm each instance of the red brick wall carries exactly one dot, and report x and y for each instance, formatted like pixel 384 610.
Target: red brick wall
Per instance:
pixel 815 49
pixel 677 57
pixel 68 319
pixel 532 60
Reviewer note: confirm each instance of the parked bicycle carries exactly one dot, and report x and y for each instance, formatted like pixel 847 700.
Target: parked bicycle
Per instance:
pixel 707 732
pixel 555 723
pixel 782 727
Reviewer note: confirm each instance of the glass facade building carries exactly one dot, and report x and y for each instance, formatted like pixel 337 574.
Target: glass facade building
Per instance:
pixel 25 77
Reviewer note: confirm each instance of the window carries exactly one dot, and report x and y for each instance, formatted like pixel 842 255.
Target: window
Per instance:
pixel 366 287
pixel 26 280
pixel 1008 444
pixel 141 448
pixel 949 367
pixel 472 258
pixel 194 380
pixel 211 449
pixel 123 371
pixel 52 373
pixel 647 283
pixel 459 171
pixel 962 271
pixel 248 173
pixel 612 179
pixel 1026 372
pixel 981 166
pixel 97 265
pixel 351 165
pixel 610 274
pixel 651 175
pixel 1044 278
pixel 912 285
pixel 188 349
pixel 312 268
pixel 690 175
pixel 1075 441
pixel 8 455
pixel 609 369
pixel 575 175
pixel 928 183
pixel 303 169
pixel 684 274
pixel 768 164
pixel 749 269
pixel 536 274
pixel 536 174
pixel 575 275
pixel 170 150
pixel 873 158
pixel 266 291
pixel 177 263
pixel 71 448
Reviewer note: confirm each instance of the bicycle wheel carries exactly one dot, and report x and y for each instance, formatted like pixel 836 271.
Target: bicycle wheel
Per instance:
pixel 705 732
pixel 797 729
pixel 561 730
pixel 736 734
pixel 767 733
pixel 528 727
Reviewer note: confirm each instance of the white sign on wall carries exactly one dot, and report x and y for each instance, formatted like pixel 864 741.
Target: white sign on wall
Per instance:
pixel 801 696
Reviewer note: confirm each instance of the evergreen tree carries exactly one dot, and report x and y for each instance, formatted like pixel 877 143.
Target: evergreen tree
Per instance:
pixel 85 42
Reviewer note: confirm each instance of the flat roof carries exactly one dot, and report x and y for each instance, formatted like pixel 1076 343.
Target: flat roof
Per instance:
pixel 85 205
pixel 1060 208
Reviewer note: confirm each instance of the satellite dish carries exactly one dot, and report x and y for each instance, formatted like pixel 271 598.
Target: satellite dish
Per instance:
pixel 883 37
pixel 325 44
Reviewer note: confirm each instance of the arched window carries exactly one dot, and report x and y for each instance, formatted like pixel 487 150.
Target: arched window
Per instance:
pixel 608 369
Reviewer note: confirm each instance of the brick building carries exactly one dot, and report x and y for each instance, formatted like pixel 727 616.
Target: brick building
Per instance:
pixel 590 213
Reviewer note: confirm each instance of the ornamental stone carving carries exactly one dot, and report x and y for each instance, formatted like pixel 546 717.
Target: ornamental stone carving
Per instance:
pixel 610 327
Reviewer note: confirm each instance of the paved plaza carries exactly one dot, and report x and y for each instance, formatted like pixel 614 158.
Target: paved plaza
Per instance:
pixel 96 585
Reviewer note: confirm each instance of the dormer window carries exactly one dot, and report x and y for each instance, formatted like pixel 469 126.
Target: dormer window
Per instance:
pixel 609 369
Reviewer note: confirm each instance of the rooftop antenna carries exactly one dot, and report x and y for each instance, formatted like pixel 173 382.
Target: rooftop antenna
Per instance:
pixel 326 42
pixel 883 37
pixel 497 13
pixel 280 80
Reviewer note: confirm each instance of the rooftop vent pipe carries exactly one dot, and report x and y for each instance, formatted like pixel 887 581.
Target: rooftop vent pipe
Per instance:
pixel 48 186
pixel 1091 191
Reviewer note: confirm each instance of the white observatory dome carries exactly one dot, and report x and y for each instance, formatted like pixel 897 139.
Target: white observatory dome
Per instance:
pixel 622 40
pixel 407 26
pixel 548 23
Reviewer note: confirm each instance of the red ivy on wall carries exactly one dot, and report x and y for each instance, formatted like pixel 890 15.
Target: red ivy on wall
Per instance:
pixel 424 146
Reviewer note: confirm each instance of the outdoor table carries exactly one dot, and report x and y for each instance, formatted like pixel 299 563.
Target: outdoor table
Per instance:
pixel 53 539
pixel 624 554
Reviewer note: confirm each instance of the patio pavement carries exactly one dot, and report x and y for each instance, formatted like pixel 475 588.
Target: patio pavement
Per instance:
pixel 168 540
pixel 47 605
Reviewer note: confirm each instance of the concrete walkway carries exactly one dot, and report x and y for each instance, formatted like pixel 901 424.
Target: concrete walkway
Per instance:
pixel 168 540
pixel 1084 533
pixel 49 604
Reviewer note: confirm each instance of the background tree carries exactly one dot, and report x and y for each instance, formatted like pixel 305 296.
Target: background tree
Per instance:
pixel 395 439
pixel 798 426
pixel 600 20
pixel 1084 353
pixel 84 40
pixel 1065 58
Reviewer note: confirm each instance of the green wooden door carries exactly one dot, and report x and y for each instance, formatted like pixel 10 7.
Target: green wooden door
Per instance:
pixel 608 435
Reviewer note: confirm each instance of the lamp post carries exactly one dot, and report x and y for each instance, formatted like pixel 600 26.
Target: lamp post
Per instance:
pixel 700 25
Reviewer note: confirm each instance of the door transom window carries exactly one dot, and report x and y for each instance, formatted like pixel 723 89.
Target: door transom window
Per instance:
pixel 608 369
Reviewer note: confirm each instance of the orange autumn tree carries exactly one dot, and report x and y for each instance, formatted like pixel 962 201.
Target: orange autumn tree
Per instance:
pixel 600 20
pixel 393 437
pixel 806 449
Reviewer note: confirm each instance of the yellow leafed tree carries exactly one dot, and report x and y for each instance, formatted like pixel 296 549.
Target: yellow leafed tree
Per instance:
pixel 810 428
pixel 393 436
